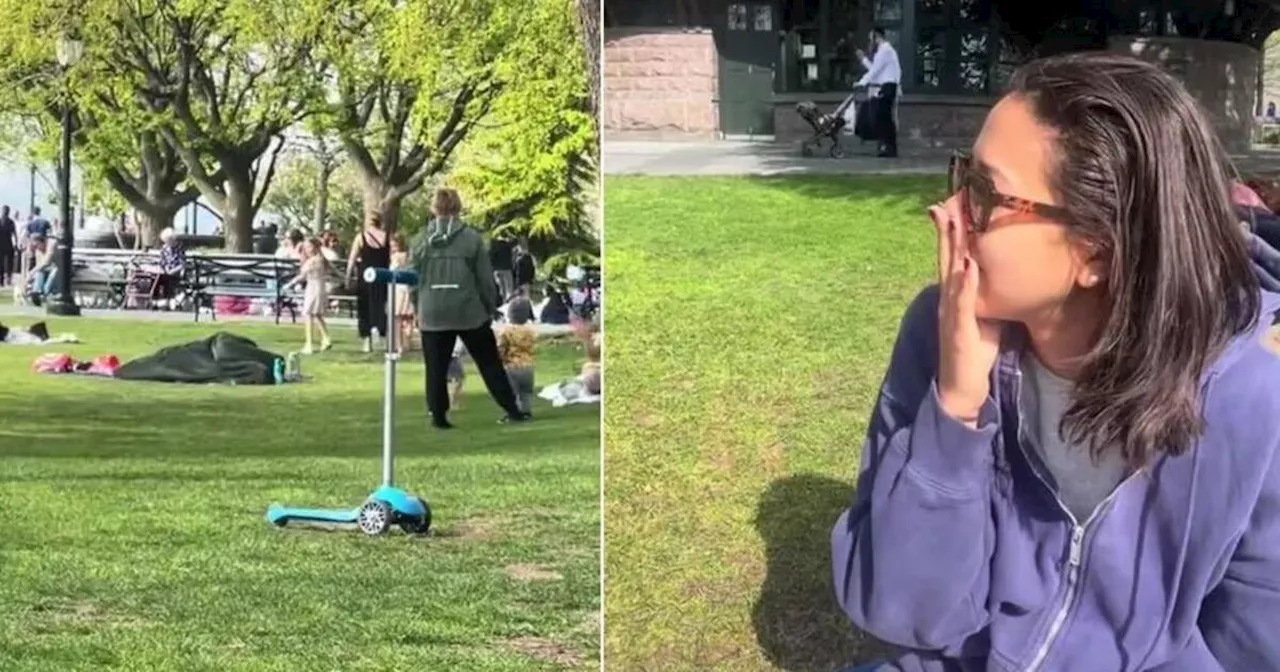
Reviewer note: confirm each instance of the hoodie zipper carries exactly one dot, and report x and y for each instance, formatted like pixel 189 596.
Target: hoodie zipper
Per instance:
pixel 1075 548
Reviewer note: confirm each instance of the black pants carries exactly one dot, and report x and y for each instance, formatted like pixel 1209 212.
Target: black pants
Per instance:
pixel 8 265
pixel 886 127
pixel 482 345
pixel 371 308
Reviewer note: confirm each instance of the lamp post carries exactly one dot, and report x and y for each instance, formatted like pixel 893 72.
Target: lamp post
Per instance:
pixel 69 52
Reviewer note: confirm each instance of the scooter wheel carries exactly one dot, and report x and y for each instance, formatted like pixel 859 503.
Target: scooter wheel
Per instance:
pixel 806 150
pixel 374 517
pixel 837 152
pixel 420 525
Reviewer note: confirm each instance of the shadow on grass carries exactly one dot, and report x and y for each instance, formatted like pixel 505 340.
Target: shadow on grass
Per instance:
pixel 798 624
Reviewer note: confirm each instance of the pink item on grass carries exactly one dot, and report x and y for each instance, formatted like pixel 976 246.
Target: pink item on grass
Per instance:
pixel 232 305
pixel 53 363
pixel 102 365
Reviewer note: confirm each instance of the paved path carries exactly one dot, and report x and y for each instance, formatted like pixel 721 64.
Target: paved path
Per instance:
pixel 739 157
pixel 21 315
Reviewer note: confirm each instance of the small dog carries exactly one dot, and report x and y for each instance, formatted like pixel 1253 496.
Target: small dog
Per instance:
pixel 20 291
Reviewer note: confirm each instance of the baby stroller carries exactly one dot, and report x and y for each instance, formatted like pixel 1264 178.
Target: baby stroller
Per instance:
pixel 832 126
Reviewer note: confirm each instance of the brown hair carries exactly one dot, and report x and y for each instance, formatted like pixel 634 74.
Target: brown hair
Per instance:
pixel 319 250
pixel 375 220
pixel 446 203
pixel 1145 182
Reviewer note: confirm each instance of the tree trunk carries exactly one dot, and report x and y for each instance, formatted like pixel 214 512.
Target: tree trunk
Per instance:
pixel 322 198
pixel 589 23
pixel 380 199
pixel 237 216
pixel 151 221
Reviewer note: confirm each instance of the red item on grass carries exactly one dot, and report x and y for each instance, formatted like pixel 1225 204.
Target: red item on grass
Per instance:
pixel 104 365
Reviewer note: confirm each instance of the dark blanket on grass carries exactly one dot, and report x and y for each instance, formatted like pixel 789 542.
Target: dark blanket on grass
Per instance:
pixel 221 358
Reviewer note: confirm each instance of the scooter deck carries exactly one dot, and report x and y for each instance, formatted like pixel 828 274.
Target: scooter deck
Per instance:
pixel 281 515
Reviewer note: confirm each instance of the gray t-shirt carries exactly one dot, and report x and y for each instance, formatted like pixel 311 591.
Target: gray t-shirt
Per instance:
pixel 1082 484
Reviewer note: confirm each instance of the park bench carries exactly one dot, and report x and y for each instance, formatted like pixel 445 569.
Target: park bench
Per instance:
pixel 100 277
pixel 247 276
pixel 343 297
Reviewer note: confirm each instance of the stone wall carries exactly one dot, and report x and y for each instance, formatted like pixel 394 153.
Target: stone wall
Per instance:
pixel 660 81
pixel 1223 76
pixel 933 122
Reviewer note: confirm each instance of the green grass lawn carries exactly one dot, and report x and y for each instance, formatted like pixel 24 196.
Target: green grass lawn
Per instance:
pixel 134 536
pixel 749 323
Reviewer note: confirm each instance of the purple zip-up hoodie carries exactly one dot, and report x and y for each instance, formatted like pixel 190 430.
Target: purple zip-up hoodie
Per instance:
pixel 958 550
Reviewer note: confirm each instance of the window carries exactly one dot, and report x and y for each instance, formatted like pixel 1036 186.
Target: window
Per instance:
pixel 764 18
pixel 974 62
pixel 737 17
pixel 954 47
pixel 931 53
pixel 1007 60
pixel 888 12
pixel 888 16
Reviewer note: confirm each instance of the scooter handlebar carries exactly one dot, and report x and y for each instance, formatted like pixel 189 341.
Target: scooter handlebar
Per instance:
pixel 387 276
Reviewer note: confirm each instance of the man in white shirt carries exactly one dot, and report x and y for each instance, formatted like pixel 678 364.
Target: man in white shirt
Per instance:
pixel 884 73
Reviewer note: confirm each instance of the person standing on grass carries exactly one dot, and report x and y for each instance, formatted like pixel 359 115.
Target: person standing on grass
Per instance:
pixel 8 247
pixel 1074 459
pixel 502 257
pixel 369 249
pixel 38 229
pixel 314 271
pixel 516 343
pixel 457 298
pixel 526 269
pixel 403 296
pixel 35 235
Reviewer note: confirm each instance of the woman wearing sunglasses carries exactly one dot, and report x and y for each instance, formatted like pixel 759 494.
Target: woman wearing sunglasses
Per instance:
pixel 1072 464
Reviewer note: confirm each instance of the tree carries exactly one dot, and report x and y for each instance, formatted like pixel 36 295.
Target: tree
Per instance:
pixel 224 80
pixel 412 80
pixel 589 30
pixel 112 144
pixel 531 173
pixel 327 156
pixel 296 193
pixel 173 99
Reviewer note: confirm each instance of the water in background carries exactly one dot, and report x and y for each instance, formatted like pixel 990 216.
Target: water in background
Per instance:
pixel 15 192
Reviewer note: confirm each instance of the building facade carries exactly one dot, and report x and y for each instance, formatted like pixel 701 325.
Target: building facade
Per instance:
pixel 717 68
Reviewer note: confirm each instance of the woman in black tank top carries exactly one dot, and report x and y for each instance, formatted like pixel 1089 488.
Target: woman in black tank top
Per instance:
pixel 369 250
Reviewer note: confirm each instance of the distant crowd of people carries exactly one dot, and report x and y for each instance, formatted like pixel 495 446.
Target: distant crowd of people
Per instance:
pixel 464 283
pixel 27 251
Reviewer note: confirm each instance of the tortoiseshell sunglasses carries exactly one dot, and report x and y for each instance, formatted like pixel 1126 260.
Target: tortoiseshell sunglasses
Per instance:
pixel 978 198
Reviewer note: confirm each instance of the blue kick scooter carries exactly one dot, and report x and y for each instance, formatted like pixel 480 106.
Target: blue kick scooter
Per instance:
pixel 388 505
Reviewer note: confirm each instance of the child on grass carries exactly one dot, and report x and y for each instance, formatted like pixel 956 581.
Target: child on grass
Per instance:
pixel 314 271
pixel 516 346
pixel 589 334
pixel 403 301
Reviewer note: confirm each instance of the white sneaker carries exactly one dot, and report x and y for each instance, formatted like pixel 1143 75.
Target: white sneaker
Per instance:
pixel 366 345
